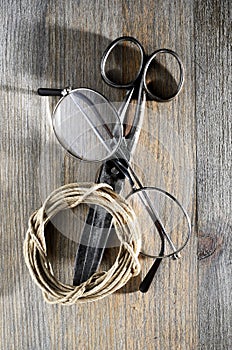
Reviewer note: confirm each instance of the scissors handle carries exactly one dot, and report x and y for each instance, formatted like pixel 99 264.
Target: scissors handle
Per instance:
pixel 141 74
pixel 119 41
pixel 153 58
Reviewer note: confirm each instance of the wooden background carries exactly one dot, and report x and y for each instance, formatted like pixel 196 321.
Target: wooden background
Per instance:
pixel 56 43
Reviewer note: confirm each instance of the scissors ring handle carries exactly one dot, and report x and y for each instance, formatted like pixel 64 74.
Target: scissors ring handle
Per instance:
pixel 181 79
pixel 105 57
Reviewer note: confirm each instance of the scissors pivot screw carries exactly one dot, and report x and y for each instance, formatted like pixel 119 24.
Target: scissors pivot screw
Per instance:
pixel 114 171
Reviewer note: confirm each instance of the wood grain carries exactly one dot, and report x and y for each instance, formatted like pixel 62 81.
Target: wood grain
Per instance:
pixel 60 43
pixel 213 115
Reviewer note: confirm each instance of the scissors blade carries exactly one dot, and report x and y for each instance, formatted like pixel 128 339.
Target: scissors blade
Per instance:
pixel 96 229
pixel 99 223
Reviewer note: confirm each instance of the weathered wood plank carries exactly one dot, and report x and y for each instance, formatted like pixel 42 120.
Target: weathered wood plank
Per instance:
pixel 43 45
pixel 173 294
pixel 55 44
pixel 213 113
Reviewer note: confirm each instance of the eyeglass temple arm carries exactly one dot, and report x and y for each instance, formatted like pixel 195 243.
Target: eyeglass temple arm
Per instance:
pixel 50 92
pixel 145 284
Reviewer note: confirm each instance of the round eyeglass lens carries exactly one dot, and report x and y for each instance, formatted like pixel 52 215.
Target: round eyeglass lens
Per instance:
pixel 155 207
pixel 87 125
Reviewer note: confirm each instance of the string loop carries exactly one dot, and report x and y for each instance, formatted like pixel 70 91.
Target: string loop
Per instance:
pixel 100 284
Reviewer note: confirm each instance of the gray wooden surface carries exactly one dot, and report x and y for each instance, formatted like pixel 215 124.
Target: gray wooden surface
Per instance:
pixel 57 43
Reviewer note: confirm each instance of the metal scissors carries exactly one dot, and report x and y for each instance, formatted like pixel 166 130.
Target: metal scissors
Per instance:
pixel 117 168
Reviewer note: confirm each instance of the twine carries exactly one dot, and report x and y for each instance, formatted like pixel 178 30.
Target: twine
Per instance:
pixel 100 284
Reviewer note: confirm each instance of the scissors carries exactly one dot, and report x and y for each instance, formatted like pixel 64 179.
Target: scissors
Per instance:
pixel 114 170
